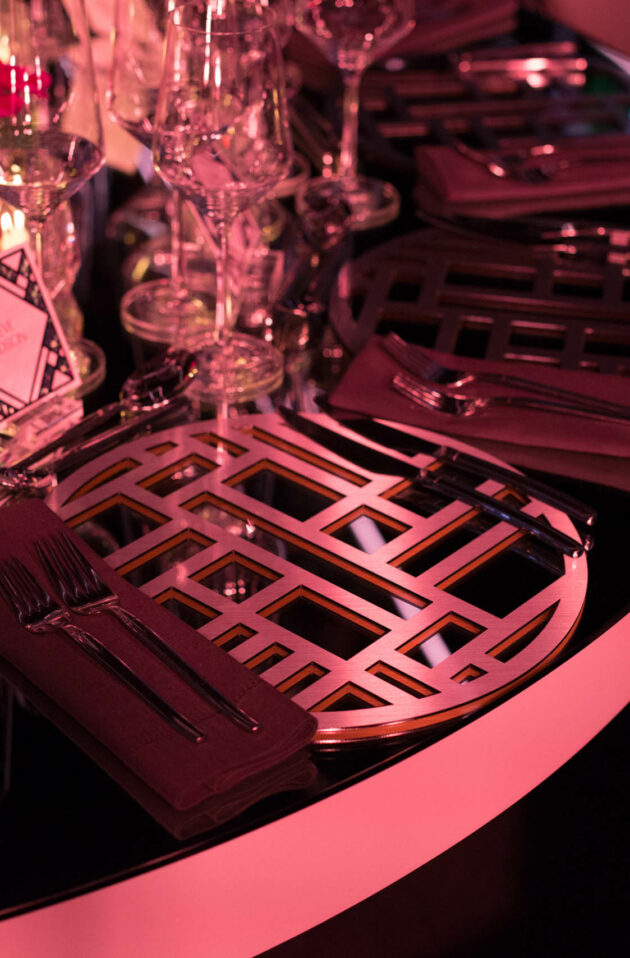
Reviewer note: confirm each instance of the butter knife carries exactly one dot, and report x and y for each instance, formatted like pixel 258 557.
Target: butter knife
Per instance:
pixel 374 460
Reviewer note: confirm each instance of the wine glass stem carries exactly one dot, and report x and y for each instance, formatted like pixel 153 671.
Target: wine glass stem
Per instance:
pixel 348 155
pixel 223 304
pixel 36 243
pixel 177 245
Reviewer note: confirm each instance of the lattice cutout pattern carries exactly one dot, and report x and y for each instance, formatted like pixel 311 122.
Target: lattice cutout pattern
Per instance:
pixel 337 623
pixel 479 298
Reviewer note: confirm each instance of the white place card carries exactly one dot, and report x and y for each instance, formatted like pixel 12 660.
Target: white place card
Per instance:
pixel 35 360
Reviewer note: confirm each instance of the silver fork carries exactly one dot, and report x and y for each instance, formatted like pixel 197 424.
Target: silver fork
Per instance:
pixel 427 368
pixel 84 591
pixel 431 396
pixel 499 165
pixel 37 611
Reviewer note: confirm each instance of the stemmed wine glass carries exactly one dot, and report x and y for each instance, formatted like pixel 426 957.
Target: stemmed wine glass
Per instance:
pixel 51 139
pixel 351 34
pixel 158 309
pixel 222 138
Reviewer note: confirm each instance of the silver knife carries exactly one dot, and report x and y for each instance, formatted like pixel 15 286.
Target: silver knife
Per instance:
pixel 18 478
pixel 355 451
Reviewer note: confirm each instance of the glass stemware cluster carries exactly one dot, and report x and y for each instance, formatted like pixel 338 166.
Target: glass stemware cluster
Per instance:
pixel 222 139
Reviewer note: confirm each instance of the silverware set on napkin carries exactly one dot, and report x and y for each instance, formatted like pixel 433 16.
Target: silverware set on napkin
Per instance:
pixel 84 592
pixel 537 163
pixel 438 388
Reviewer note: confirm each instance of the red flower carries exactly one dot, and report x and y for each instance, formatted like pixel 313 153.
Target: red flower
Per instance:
pixel 14 81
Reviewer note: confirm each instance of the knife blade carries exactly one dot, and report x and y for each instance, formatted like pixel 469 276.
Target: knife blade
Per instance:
pixel 409 444
pixel 373 460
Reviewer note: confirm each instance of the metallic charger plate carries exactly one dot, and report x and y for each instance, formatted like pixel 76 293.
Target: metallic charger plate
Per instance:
pixel 380 608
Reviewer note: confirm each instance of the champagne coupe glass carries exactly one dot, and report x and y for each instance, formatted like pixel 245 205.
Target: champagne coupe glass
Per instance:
pixel 222 138
pixel 351 34
pixel 51 139
pixel 158 309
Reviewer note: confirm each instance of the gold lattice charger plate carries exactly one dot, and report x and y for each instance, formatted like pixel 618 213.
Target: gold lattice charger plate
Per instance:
pixel 380 607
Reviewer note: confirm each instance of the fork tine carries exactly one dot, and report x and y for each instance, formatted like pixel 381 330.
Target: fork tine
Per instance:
pixel 416 361
pixel 57 568
pixel 28 586
pixel 82 582
pixel 87 568
pixel 7 588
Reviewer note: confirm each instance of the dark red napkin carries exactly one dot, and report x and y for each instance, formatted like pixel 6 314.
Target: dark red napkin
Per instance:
pixel 584 448
pixel 452 184
pixel 157 765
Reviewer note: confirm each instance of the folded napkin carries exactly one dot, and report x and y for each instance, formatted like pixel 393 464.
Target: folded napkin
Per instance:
pixel 184 785
pixel 564 444
pixel 449 183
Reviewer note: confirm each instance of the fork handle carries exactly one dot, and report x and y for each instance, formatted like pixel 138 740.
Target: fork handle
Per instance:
pixel 181 667
pixel 549 405
pixel 128 677
pixel 596 407
pixel 501 510
pixel 475 466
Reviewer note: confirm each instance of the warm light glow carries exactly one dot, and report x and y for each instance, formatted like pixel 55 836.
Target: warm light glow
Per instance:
pixel 536 81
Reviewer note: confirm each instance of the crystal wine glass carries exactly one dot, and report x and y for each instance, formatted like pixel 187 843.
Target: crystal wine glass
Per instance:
pixel 158 309
pixel 351 34
pixel 51 139
pixel 222 138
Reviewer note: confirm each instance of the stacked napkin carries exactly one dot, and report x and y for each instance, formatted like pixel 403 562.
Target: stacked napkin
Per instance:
pixel 563 444
pixel 452 184
pixel 187 787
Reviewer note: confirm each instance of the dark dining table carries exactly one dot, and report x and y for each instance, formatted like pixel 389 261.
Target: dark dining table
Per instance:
pixel 503 832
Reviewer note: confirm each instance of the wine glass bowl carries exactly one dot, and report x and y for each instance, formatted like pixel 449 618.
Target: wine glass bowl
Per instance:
pixel 221 132
pixel 160 309
pixel 136 66
pixel 51 139
pixel 351 34
pixel 222 139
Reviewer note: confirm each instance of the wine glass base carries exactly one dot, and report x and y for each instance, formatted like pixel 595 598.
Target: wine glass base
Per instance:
pixel 245 368
pixel 91 365
pixel 371 202
pixel 157 312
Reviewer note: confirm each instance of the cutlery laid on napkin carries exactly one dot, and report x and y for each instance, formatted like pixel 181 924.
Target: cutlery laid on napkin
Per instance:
pixel 184 784
pixel 582 173
pixel 576 446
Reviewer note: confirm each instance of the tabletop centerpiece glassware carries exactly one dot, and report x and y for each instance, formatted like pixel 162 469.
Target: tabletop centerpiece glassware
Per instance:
pixel 352 34
pixel 51 139
pixel 156 309
pixel 222 138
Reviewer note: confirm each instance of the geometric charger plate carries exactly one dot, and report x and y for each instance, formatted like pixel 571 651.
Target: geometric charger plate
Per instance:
pixel 381 609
